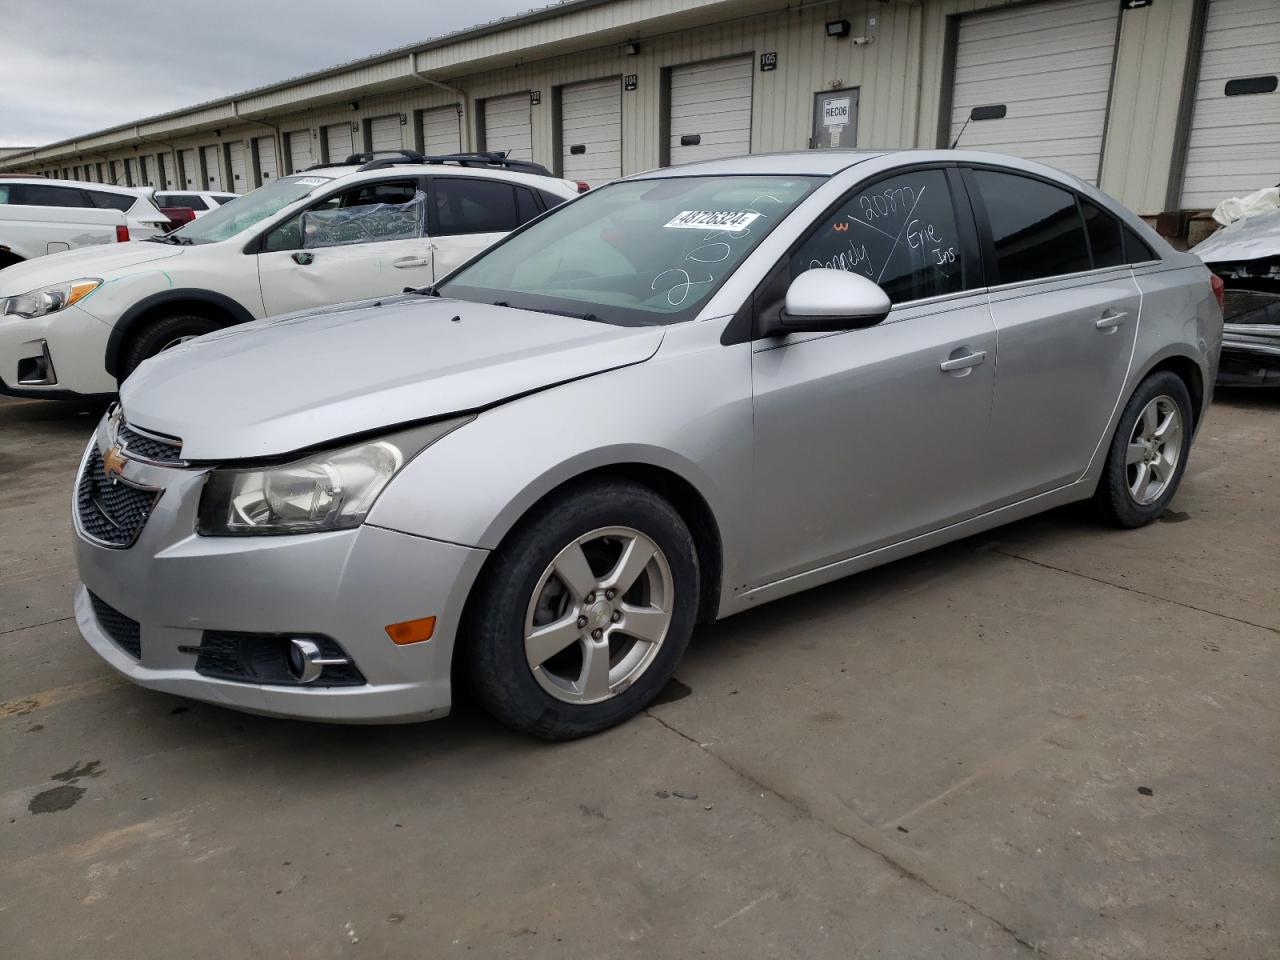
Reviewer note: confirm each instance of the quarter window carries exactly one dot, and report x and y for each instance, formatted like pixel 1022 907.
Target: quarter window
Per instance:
pixel 1105 240
pixel 111 201
pixel 900 232
pixel 1036 227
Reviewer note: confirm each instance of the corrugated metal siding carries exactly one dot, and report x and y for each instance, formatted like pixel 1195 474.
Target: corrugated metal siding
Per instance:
pixel 1234 146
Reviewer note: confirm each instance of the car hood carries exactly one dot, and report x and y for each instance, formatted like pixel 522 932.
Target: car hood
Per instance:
pixel 1254 238
pixel 275 386
pixel 105 261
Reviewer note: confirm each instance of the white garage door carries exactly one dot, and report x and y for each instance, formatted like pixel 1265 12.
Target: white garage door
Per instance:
pixel 235 161
pixel 268 168
pixel 130 173
pixel 591 131
pixel 1234 147
pixel 299 150
pixel 710 110
pixel 211 170
pixel 189 175
pixel 441 131
pixel 507 126
pixel 384 134
pixel 337 142
pixel 1049 66
pixel 167 172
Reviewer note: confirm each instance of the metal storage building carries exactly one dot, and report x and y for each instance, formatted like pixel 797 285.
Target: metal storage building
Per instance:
pixel 1166 104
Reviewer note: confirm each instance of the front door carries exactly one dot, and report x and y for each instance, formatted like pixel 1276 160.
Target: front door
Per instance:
pixel 835 119
pixel 364 242
pixel 1066 310
pixel 868 437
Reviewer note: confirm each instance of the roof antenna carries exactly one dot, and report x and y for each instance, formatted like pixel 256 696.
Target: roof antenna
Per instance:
pixel 995 111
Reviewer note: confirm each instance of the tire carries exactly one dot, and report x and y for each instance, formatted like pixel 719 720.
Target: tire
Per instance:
pixel 558 699
pixel 1165 394
pixel 160 334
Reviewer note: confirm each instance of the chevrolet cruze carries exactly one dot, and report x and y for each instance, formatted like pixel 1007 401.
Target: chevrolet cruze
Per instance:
pixel 669 401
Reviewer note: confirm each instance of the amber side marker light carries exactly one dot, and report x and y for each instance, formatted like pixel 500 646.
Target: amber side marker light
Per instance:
pixel 412 631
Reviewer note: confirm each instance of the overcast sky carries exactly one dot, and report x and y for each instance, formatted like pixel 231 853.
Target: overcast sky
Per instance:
pixel 75 66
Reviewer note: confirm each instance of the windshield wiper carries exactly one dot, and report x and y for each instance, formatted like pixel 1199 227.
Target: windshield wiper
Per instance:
pixel 428 291
pixel 171 238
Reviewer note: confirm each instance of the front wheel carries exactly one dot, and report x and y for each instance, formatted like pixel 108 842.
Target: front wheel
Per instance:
pixel 161 334
pixel 1148 453
pixel 584 611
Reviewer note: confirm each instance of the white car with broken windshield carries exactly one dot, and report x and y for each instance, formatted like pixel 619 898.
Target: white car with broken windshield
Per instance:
pixel 79 323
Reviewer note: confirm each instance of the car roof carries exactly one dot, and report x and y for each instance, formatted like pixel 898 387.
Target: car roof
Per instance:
pixel 86 184
pixel 437 169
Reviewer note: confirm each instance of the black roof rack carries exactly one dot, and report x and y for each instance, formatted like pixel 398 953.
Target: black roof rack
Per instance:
pixel 491 160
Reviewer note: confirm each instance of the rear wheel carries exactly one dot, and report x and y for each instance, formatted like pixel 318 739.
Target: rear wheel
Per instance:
pixel 1148 453
pixel 161 334
pixel 584 611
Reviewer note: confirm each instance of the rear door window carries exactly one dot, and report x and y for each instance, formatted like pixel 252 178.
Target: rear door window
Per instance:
pixel 1035 226
pixel 900 232
pixel 463 206
pixel 46 195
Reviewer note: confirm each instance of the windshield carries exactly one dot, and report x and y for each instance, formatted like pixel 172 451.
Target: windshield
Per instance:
pixel 633 253
pixel 233 217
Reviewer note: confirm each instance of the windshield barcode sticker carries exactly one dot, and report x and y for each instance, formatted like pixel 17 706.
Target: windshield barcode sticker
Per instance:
pixel 732 221
pixel 311 181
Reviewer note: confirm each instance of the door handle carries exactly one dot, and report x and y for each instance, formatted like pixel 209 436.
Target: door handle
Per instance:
pixel 1109 321
pixel 405 262
pixel 963 363
pixel 302 258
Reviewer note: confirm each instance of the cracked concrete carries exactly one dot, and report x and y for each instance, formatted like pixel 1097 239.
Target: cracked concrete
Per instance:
pixel 1052 740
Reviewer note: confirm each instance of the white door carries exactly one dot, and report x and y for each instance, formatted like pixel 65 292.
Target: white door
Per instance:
pixel 365 242
pixel 441 131
pixel 130 172
pixel 1234 147
pixel 1044 69
pixel 268 168
pixel 337 142
pixel 299 150
pixel 591 131
pixel 508 126
pixel 212 171
pixel 189 175
pixel 169 165
pixel 384 134
pixel 710 110
pixel 235 160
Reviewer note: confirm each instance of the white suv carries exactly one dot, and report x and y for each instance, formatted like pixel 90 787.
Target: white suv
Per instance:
pixel 77 323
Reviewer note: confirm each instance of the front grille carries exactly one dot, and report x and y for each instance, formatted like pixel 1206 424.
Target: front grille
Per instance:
pixel 124 632
pixel 145 447
pixel 264 658
pixel 110 510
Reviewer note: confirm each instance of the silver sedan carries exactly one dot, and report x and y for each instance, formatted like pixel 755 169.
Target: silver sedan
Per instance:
pixel 669 401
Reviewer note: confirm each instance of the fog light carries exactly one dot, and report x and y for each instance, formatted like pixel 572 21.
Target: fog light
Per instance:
pixel 37 371
pixel 307 661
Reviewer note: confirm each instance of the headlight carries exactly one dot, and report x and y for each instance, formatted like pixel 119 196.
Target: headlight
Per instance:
pixel 37 303
pixel 333 490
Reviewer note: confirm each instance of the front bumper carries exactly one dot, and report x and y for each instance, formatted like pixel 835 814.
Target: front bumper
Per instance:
pixel 347 585
pixel 1250 356
pixel 74 341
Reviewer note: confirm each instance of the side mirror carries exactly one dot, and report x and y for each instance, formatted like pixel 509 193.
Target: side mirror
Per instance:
pixel 822 300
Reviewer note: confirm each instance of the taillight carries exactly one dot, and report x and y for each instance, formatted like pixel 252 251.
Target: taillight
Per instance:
pixel 1219 290
pixel 583 186
pixel 122 234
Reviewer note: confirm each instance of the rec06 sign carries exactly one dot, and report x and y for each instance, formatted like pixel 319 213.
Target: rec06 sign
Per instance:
pixel 835 112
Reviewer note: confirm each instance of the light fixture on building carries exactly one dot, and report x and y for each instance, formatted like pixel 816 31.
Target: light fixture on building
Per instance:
pixel 838 28
pixel 355 104
pixel 631 49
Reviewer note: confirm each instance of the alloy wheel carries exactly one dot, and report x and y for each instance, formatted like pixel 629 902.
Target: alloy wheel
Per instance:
pixel 598 615
pixel 1155 447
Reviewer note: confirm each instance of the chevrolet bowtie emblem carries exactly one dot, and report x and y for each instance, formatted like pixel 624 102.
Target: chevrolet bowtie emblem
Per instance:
pixel 113 463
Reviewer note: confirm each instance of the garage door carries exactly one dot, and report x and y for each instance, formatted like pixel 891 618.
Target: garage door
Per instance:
pixel 189 174
pixel 441 131
pixel 507 126
pixel 710 110
pixel 337 142
pixel 299 150
pixel 591 131
pixel 235 163
pixel 213 175
pixel 268 166
pixel 1234 147
pixel 1045 70
pixel 384 134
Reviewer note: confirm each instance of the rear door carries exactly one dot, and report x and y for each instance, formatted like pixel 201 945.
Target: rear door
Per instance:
pixel 469 214
pixel 366 241
pixel 1065 307
pixel 867 437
